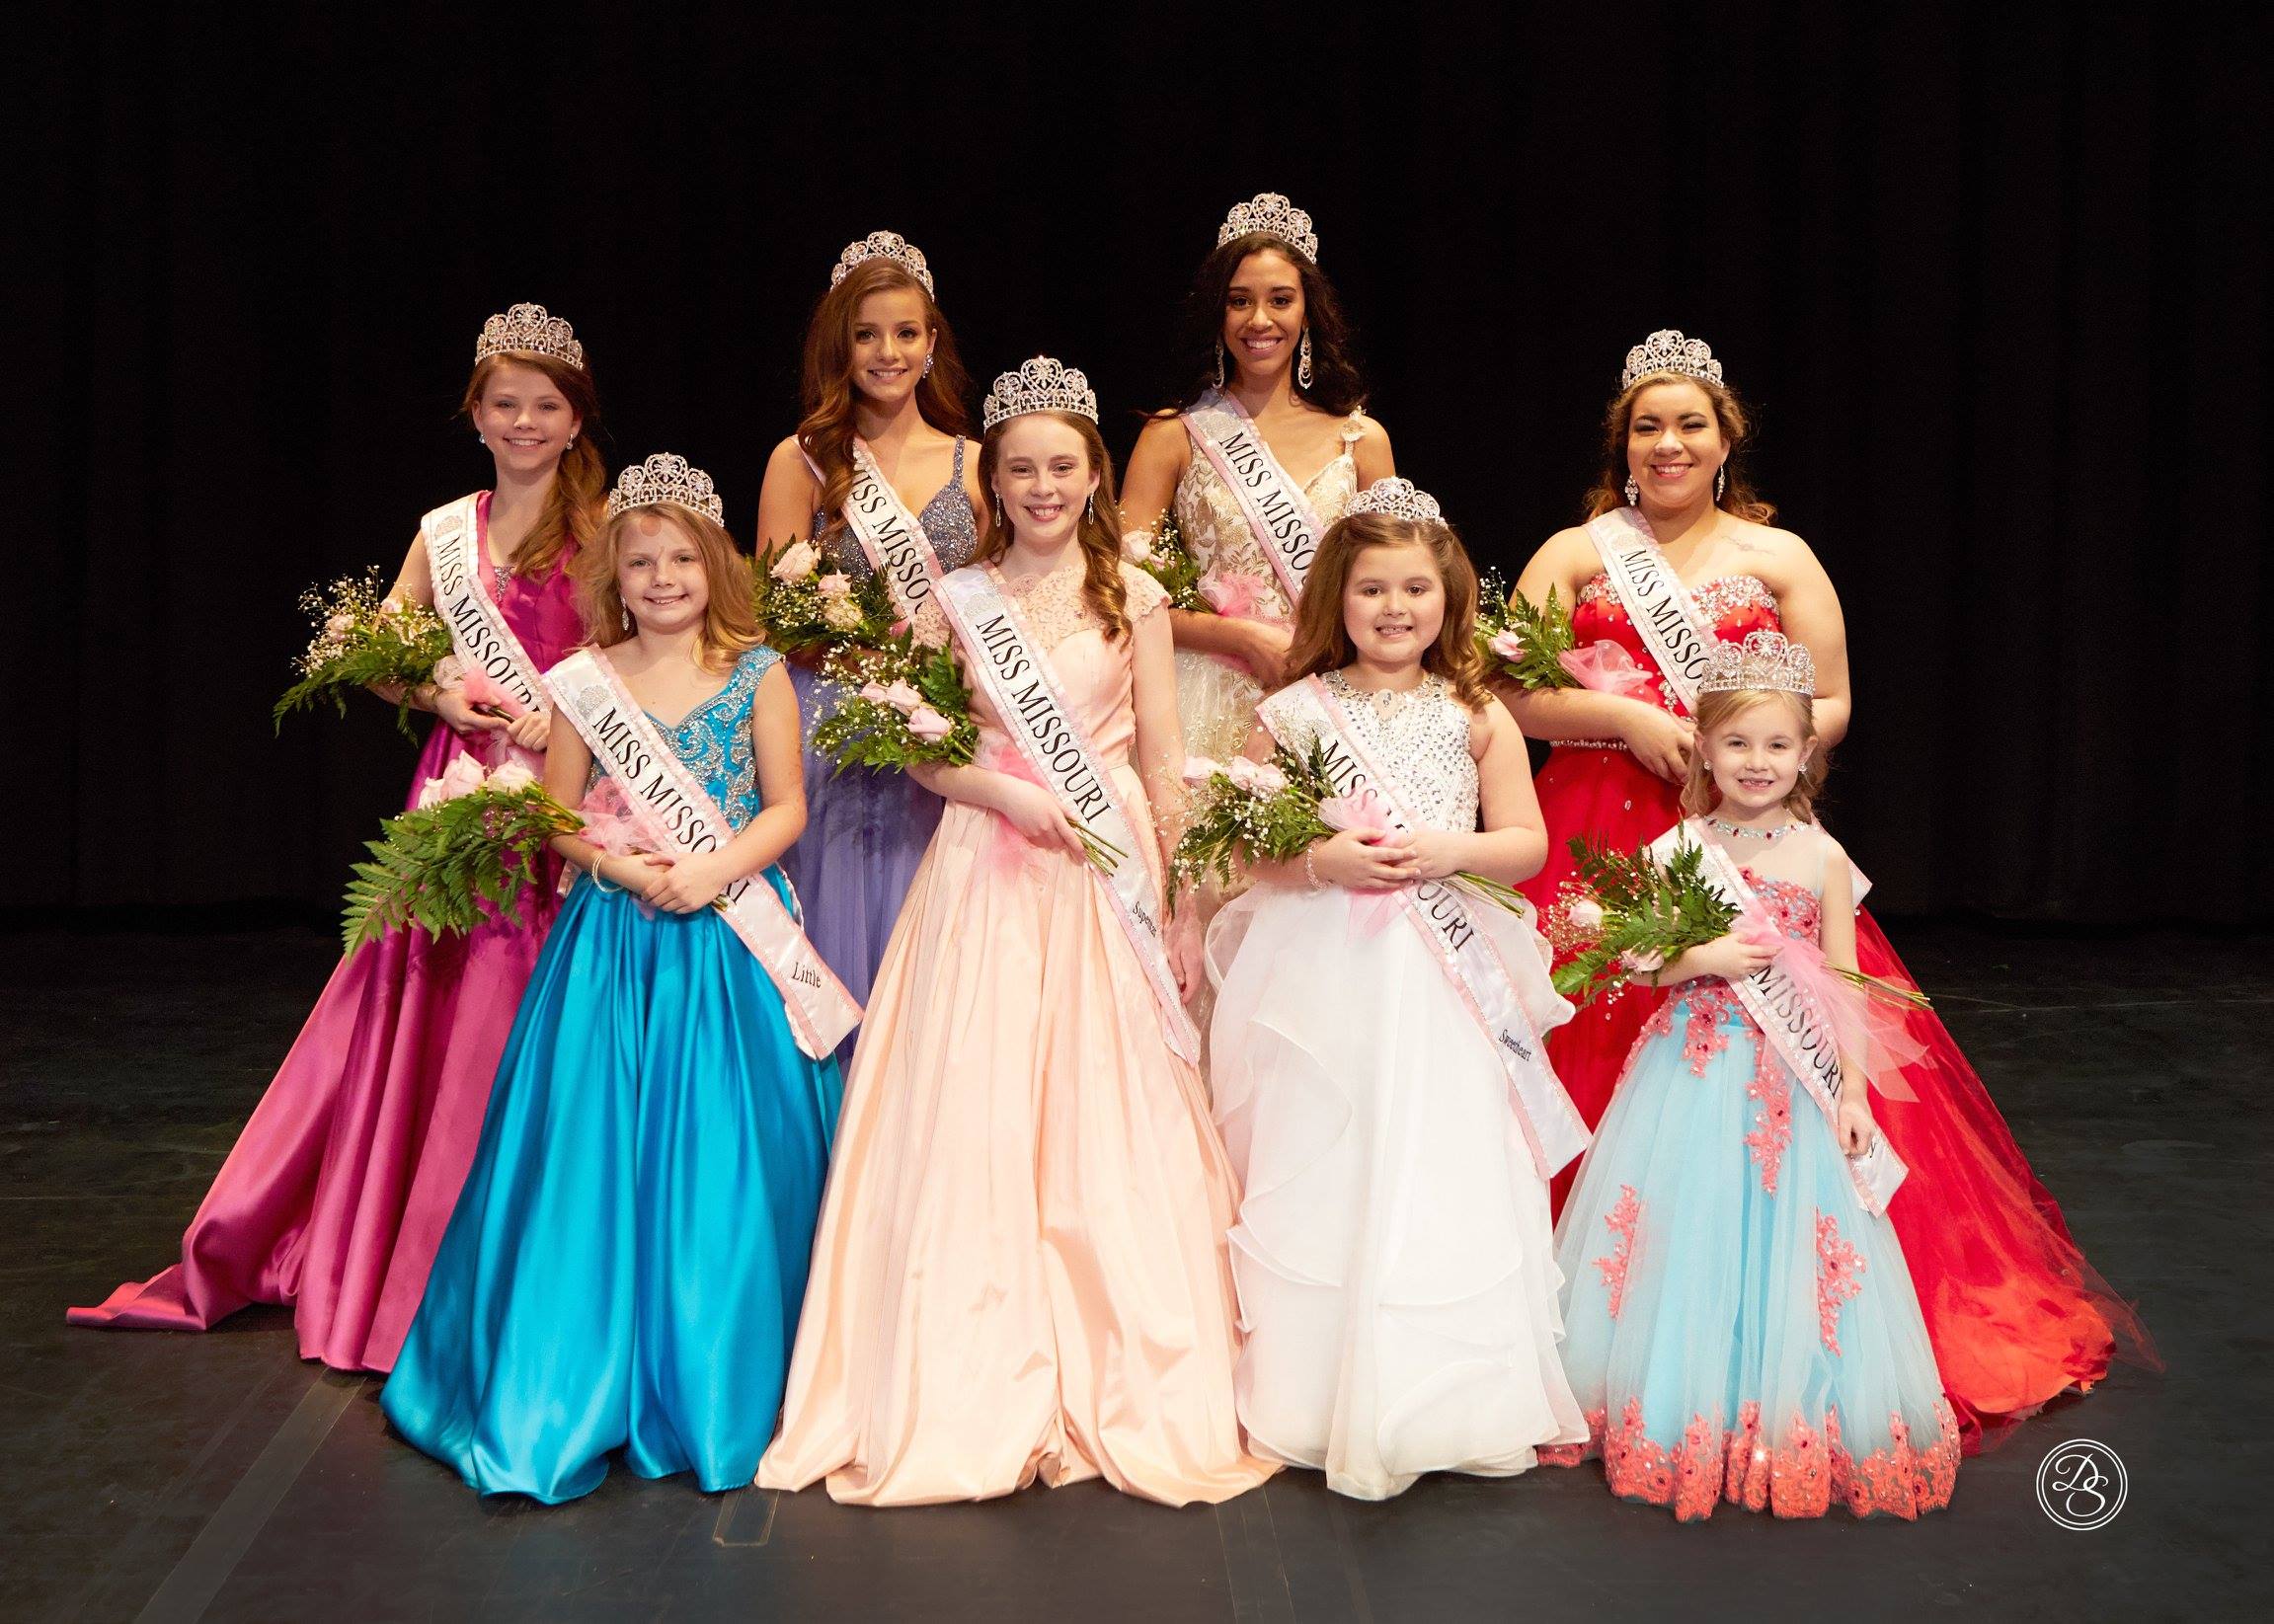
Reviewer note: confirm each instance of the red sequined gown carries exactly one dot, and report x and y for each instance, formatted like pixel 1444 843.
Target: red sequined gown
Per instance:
pixel 2016 1313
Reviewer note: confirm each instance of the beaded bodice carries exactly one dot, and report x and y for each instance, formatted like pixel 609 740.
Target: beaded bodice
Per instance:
pixel 1419 738
pixel 1734 605
pixel 714 739
pixel 1797 910
pixel 947 520
pixel 1223 542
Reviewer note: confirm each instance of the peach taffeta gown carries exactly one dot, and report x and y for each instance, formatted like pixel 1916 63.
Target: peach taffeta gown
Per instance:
pixel 1021 1270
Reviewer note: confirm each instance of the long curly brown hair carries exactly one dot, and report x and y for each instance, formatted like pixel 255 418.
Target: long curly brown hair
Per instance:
pixel 579 499
pixel 1735 419
pixel 1337 382
pixel 729 617
pixel 1321 641
pixel 828 394
pixel 1098 531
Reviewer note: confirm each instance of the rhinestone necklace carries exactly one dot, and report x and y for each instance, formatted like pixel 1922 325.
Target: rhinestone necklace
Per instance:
pixel 1727 827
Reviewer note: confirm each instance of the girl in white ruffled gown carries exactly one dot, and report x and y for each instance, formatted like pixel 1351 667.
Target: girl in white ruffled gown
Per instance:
pixel 1396 1277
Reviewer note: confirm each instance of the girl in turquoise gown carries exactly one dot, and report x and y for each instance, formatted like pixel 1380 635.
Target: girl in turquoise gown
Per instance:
pixel 626 1266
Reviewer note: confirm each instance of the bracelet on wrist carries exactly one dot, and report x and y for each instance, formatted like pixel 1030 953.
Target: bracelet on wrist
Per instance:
pixel 1310 871
pixel 594 868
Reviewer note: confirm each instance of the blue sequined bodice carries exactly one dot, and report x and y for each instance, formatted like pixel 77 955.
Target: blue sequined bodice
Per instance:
pixel 714 739
pixel 948 521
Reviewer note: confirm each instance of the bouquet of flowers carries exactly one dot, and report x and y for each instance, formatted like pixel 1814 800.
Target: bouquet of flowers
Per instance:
pixel 474 842
pixel 801 607
pixel 1161 554
pixel 1272 810
pixel 363 639
pixel 1522 642
pixel 1626 905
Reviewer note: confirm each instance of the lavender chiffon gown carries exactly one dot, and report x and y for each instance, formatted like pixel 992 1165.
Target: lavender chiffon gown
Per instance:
pixel 866 829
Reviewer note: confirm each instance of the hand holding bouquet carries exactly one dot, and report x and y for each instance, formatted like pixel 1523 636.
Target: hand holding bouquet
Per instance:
pixel 474 842
pixel 364 641
pixel 1161 554
pixel 1625 906
pixel 1536 647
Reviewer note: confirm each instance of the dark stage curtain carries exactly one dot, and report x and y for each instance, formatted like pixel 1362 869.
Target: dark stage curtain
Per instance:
pixel 1995 278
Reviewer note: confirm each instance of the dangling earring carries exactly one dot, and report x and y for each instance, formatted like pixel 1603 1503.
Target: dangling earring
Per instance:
pixel 1000 521
pixel 1090 507
pixel 1303 361
pixel 1721 483
pixel 627 614
pixel 1220 366
pixel 927 371
pixel 1633 492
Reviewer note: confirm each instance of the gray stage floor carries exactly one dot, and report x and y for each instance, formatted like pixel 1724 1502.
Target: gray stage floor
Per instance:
pixel 177 1477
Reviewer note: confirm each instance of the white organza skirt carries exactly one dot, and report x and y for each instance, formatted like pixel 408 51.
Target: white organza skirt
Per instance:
pixel 1397 1280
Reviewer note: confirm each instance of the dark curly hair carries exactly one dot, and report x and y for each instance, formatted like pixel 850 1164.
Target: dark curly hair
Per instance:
pixel 1337 383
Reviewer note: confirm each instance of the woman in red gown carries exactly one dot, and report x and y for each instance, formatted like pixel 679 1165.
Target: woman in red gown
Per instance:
pixel 2016 1313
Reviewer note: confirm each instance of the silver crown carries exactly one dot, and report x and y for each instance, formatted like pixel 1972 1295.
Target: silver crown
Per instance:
pixel 1666 350
pixel 526 330
pixel 1273 216
pixel 885 245
pixel 1763 661
pixel 1039 385
pixel 1399 497
pixel 667 478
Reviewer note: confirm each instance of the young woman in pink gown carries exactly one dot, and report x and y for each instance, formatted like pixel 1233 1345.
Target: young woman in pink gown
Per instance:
pixel 1021 1271
pixel 2015 1312
pixel 338 1191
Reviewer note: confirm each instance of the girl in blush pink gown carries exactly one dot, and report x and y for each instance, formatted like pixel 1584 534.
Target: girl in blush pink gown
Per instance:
pixel 1021 1270
pixel 338 1191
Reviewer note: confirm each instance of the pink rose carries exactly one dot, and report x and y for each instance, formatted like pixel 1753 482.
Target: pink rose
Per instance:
pixel 928 725
pixel 462 776
pixel 797 562
pixel 1242 771
pixel 1587 916
pixel 1198 769
pixel 898 628
pixel 340 622
pixel 874 693
pixel 514 775
pixel 837 585
pixel 1508 646
pixel 903 698
pixel 1136 546
pixel 1268 780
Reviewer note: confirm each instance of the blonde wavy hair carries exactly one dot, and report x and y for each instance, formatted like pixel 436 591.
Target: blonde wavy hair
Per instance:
pixel 729 618
pixel 1717 709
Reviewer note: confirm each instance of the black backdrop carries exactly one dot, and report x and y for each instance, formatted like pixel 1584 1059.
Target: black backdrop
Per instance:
pixel 1997 281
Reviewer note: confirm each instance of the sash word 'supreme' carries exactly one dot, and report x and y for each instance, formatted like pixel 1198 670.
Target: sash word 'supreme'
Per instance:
pixel 1554 1128
pixel 1789 1019
pixel 1275 506
pixel 478 630
pixel 1002 654
pixel 676 815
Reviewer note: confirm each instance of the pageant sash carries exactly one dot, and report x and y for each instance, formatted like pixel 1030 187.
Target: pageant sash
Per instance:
pixel 478 628
pixel 675 814
pixel 1274 505
pixel 1002 654
pixel 1554 1128
pixel 1674 629
pixel 1789 1019
pixel 891 536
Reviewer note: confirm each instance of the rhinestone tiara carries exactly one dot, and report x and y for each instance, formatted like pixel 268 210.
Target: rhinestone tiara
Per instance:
pixel 1666 350
pixel 885 245
pixel 1273 216
pixel 667 478
pixel 526 330
pixel 1763 661
pixel 1399 497
pixel 1039 385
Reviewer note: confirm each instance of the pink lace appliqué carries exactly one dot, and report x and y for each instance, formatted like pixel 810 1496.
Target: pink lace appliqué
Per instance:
pixel 1839 1278
pixel 1621 1220
pixel 1805 1474
pixel 1704 1003
pixel 1772 1131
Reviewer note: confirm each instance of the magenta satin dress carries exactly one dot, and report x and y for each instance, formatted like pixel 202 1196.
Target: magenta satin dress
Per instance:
pixel 339 1190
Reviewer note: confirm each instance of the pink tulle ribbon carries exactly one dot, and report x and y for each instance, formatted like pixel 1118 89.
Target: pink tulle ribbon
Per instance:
pixel 1607 667
pixel 609 823
pixel 1366 812
pixel 1871 1030
pixel 1234 595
